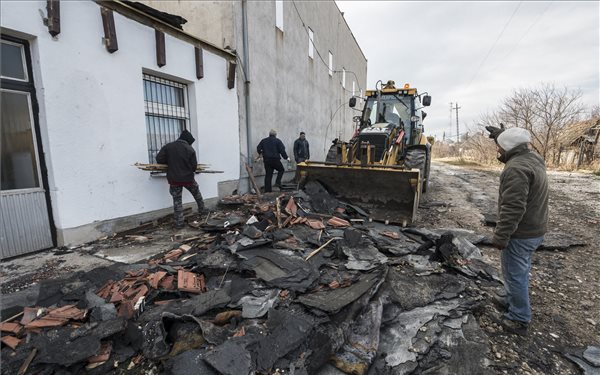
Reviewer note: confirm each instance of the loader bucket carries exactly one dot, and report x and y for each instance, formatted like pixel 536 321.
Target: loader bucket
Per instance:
pixel 389 193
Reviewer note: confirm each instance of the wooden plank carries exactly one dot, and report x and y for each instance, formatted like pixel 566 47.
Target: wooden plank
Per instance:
pixel 53 9
pixel 199 54
pixel 110 33
pixel 252 180
pixel 161 53
pixel 231 74
pixel 27 362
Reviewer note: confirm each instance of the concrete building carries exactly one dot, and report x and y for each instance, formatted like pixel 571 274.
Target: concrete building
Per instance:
pixel 92 87
pixel 301 65
pixel 88 92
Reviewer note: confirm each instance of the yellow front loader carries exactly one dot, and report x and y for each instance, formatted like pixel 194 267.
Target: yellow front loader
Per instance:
pixel 384 168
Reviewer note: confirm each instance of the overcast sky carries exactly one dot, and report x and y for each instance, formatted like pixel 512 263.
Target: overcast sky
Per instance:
pixel 476 53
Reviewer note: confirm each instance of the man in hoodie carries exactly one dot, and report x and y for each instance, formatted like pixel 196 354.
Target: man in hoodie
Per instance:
pixel 522 220
pixel 181 162
pixel 270 149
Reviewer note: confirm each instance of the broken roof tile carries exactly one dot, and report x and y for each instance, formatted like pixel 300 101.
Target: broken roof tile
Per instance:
pixel 67 312
pixel 291 207
pixel 167 283
pixel 190 282
pixel 46 322
pixel 104 353
pixel 315 223
pixel 338 223
pixel 10 327
pixel 10 341
pixel 390 234
pixel 156 278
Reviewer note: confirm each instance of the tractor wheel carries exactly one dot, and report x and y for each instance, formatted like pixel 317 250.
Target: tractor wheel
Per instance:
pixel 416 158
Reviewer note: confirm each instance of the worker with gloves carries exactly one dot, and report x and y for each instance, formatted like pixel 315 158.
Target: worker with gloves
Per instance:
pixel 522 219
pixel 270 149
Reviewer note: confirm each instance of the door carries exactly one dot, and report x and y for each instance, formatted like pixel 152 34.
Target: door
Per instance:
pixel 24 201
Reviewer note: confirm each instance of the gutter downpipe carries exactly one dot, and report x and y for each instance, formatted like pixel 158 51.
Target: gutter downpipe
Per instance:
pixel 246 68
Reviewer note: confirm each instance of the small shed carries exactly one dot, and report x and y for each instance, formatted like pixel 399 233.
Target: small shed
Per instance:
pixel 579 143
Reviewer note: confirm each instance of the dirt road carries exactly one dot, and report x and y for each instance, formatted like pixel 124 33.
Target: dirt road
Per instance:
pixel 565 286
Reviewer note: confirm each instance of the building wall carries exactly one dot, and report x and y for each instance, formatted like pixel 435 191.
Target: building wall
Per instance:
pixel 92 113
pixel 288 91
pixel 292 92
pixel 211 21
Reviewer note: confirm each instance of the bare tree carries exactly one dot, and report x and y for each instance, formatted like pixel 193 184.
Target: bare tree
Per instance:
pixel 595 111
pixel 545 111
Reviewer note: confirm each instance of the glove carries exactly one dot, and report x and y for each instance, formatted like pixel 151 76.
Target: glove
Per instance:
pixel 494 131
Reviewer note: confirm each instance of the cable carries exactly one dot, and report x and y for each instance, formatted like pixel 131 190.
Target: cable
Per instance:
pixel 329 124
pixel 326 64
pixel 494 45
pixel 529 29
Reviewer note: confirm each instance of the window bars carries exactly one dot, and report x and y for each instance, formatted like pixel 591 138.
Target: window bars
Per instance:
pixel 167 115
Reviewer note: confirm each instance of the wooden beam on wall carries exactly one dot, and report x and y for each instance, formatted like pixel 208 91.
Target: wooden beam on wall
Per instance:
pixel 110 33
pixel 231 74
pixel 198 53
pixel 161 54
pixel 53 9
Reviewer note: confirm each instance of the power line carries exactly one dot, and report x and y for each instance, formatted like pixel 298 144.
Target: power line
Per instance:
pixel 529 29
pixel 495 42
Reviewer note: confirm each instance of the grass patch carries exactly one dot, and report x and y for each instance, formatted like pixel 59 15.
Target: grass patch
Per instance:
pixel 459 161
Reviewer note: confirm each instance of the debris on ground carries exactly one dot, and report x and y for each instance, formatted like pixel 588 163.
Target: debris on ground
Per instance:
pixel 295 282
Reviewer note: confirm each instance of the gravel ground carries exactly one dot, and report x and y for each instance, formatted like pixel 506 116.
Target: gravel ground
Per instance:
pixel 564 285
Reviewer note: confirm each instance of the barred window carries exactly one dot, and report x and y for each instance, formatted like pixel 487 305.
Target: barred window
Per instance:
pixel 167 114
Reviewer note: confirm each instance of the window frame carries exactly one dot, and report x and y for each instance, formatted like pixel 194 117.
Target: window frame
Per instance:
pixel 153 109
pixel 279 14
pixel 23 62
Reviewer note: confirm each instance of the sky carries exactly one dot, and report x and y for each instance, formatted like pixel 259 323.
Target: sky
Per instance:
pixel 477 53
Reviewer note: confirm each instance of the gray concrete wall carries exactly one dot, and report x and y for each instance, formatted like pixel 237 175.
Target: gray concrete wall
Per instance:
pixel 292 92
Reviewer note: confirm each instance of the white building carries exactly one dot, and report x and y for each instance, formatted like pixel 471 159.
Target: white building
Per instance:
pixel 81 107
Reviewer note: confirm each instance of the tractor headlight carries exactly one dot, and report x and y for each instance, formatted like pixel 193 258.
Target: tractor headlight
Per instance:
pixel 414 118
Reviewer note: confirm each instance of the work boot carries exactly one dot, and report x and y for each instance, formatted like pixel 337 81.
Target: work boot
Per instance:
pixel 498 301
pixel 516 327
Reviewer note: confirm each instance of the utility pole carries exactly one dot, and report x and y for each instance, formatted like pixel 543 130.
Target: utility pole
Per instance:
pixel 450 132
pixel 444 137
pixel 457 127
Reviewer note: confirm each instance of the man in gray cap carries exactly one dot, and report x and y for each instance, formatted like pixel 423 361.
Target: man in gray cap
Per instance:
pixel 271 148
pixel 522 220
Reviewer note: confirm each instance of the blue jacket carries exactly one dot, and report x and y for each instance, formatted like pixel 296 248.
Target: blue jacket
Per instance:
pixel 270 148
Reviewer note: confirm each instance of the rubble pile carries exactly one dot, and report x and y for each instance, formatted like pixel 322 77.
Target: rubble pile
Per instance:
pixel 296 283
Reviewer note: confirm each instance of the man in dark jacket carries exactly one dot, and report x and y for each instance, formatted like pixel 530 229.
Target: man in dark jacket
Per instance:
pixel 271 148
pixel 301 149
pixel 181 162
pixel 522 221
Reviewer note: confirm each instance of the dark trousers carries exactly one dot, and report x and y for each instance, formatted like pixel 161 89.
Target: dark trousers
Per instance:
pixel 270 166
pixel 177 192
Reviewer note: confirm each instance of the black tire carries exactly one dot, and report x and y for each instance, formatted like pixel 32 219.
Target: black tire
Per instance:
pixel 417 158
pixel 427 172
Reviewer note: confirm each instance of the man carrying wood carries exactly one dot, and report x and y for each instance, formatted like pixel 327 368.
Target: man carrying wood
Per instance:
pixel 180 158
pixel 522 220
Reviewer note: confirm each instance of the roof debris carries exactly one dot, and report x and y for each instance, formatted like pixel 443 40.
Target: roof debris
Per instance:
pixel 291 283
